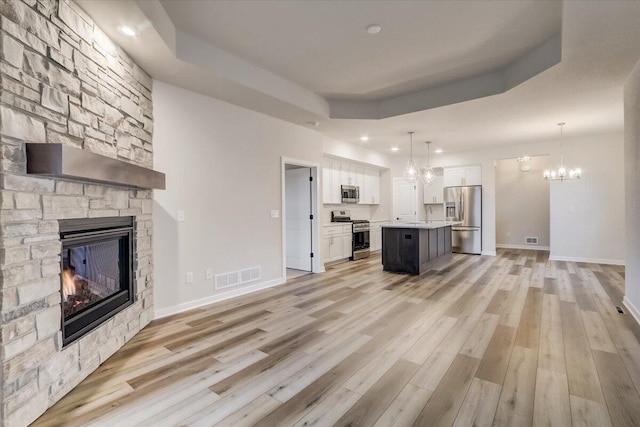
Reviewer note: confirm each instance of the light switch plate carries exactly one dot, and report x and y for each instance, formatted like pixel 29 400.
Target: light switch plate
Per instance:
pixel 190 277
pixel 275 213
pixel 208 273
pixel 180 216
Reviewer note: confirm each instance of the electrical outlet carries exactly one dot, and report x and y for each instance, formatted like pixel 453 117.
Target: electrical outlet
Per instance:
pixel 190 277
pixel 180 216
pixel 508 234
pixel 208 273
pixel 275 213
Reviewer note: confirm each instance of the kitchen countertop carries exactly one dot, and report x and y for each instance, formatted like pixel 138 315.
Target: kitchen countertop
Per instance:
pixel 429 225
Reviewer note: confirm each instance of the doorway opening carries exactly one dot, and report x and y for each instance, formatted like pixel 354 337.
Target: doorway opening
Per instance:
pixel 523 212
pixel 299 218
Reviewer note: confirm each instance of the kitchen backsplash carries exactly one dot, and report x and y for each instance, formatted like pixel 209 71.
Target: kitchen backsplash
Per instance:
pixel 357 211
pixel 434 211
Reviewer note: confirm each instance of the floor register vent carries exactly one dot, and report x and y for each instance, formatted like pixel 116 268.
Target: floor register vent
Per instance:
pixel 531 240
pixel 240 277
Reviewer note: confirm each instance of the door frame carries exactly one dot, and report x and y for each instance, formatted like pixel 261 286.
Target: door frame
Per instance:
pixel 316 265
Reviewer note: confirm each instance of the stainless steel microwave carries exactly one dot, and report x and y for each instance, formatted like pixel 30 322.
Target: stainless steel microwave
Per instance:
pixel 350 193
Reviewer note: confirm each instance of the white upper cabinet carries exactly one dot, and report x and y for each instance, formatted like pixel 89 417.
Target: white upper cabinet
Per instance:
pixel 434 193
pixel 336 173
pixel 373 185
pixel 370 187
pixel 473 175
pixel 349 175
pixel 327 186
pixel 331 178
pixel 462 175
pixel 359 176
pixel 453 177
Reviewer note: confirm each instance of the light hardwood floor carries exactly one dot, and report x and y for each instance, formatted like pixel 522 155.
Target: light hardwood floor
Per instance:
pixel 509 340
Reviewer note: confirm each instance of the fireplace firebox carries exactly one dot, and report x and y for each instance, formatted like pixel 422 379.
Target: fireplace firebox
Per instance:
pixel 97 272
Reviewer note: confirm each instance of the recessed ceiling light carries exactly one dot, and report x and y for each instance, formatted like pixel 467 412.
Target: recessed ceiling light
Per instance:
pixel 374 29
pixel 394 148
pixel 128 31
pixel 364 138
pixel 439 150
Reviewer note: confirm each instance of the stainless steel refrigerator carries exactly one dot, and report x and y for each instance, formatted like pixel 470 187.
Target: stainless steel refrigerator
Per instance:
pixel 465 204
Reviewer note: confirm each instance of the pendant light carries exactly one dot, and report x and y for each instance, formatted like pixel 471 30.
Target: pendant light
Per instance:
pixel 561 173
pixel 427 174
pixel 411 172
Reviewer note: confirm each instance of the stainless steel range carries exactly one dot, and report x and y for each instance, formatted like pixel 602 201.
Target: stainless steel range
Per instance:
pixel 360 242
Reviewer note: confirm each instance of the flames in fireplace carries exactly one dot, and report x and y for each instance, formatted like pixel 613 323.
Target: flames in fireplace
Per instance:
pixel 68 283
pixel 78 292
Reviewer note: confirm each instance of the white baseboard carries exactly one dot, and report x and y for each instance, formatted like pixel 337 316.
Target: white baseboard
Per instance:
pixel 189 305
pixel 488 253
pixel 529 247
pixel 589 260
pixel 632 309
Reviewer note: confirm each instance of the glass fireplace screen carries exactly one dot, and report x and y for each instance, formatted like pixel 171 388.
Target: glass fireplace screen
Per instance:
pixel 90 273
pixel 97 272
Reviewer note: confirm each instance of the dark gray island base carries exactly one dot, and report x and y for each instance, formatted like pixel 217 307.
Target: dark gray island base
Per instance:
pixel 416 248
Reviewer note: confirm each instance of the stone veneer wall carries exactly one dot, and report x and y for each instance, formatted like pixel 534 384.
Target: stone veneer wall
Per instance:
pixel 62 81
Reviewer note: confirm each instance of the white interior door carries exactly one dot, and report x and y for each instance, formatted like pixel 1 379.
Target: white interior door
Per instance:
pixel 404 200
pixel 298 222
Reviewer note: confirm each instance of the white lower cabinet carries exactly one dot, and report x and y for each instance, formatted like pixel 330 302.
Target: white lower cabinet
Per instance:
pixel 375 241
pixel 375 236
pixel 335 248
pixel 347 244
pixel 336 243
pixel 325 248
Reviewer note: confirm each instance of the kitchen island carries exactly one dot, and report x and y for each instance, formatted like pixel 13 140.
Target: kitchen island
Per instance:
pixel 416 247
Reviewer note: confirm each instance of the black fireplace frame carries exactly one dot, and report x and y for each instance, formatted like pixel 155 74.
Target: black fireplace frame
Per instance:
pixel 79 232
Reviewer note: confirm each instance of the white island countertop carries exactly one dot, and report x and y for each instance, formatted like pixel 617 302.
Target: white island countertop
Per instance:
pixel 429 225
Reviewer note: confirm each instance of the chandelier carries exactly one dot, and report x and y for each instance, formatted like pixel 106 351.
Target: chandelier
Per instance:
pixel 411 171
pixel 561 174
pixel 427 173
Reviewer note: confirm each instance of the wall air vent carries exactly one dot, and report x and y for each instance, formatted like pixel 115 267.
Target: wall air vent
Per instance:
pixel 531 240
pixel 235 278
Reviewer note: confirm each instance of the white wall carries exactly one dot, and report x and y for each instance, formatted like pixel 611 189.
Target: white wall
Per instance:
pixel 585 214
pixel 344 150
pixel 522 202
pixel 632 190
pixel 223 166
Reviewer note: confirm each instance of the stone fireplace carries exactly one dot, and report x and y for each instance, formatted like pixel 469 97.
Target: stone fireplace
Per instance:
pixel 64 82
